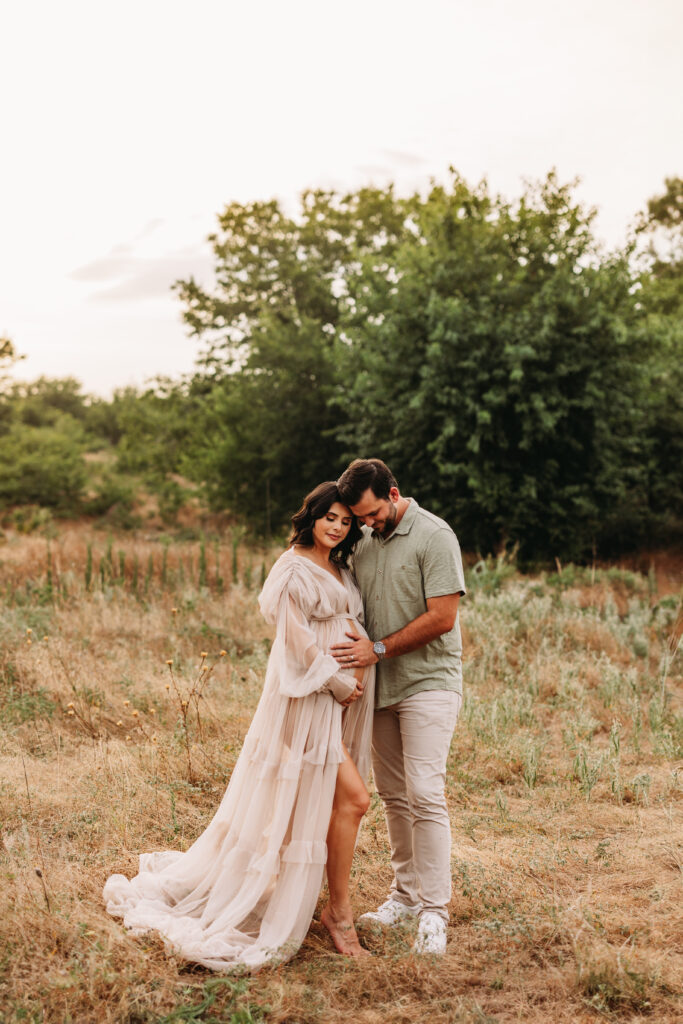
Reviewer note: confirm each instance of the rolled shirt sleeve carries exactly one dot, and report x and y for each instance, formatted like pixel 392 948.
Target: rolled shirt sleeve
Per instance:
pixel 442 571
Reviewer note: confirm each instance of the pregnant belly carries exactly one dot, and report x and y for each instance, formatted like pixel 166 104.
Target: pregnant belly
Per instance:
pixel 353 627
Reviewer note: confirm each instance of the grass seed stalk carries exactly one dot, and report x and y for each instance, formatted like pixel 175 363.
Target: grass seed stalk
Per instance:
pixel 563 783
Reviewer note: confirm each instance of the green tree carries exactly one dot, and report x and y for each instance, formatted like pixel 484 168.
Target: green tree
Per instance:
pixel 8 357
pixel 498 371
pixel 273 345
pixel 519 380
pixel 660 299
pixel 43 401
pixel 152 427
pixel 42 466
pixel 266 432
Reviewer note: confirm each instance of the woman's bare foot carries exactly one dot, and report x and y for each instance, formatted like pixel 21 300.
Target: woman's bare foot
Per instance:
pixel 343 934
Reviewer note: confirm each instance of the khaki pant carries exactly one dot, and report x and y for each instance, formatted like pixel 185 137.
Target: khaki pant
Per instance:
pixel 410 744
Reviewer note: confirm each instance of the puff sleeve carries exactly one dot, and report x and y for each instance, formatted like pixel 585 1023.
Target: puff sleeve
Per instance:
pixel 288 595
pixel 308 669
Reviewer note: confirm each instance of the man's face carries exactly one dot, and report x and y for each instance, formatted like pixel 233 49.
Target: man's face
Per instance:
pixel 378 513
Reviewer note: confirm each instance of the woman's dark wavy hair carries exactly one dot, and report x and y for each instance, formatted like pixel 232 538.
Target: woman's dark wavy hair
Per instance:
pixel 317 504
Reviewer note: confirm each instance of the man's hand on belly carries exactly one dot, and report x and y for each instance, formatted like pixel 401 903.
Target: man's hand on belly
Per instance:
pixel 354 653
pixel 438 619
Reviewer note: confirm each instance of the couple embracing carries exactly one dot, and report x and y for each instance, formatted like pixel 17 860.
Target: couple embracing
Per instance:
pixel 364 666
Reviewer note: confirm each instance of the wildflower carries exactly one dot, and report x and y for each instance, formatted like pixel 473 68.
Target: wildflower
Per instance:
pixel 71 711
pixel 223 654
pixel 152 711
pixel 204 654
pixel 174 611
pixel 29 631
pixel 127 738
pixel 169 661
pixel 168 686
pixel 154 738
pixel 135 714
pixel 70 704
pixel 183 703
pixel 119 722
pixel 126 703
pixel 28 643
pixel 45 638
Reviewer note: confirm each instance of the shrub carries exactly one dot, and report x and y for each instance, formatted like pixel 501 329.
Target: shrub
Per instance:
pixel 41 466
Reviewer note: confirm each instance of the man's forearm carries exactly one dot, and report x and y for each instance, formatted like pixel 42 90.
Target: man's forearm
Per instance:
pixel 438 619
pixel 420 631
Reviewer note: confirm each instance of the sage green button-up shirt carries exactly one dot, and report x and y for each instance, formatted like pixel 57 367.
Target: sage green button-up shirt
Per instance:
pixel 419 559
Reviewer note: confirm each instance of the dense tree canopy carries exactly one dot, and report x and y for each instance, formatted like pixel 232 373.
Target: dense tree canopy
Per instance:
pixel 500 374
pixel 660 301
pixel 520 381
pixel 507 369
pixel 274 346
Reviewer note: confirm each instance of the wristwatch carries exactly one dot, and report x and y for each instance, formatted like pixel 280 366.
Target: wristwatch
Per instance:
pixel 379 649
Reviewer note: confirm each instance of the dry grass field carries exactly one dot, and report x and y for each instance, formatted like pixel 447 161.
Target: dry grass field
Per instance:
pixel 564 783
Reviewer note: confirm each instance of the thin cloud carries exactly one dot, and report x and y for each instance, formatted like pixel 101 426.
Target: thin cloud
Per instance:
pixel 152 278
pixel 373 170
pixel 398 156
pixel 150 227
pixel 120 262
pixel 106 268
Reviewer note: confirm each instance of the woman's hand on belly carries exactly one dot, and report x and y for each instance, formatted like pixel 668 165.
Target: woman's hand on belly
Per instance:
pixel 357 693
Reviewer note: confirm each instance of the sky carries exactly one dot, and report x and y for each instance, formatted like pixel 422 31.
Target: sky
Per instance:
pixel 126 128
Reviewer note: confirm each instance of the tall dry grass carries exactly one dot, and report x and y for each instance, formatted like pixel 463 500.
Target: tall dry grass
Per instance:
pixel 564 786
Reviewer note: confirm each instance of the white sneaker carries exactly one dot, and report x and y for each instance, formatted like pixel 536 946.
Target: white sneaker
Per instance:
pixel 431 935
pixel 390 913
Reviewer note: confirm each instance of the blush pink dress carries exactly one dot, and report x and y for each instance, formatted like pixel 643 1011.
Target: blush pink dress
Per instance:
pixel 244 893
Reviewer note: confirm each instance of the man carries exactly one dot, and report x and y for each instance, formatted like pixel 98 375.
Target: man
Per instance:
pixel 409 569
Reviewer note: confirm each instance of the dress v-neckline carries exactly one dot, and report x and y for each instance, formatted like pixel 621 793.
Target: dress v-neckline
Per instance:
pixel 340 582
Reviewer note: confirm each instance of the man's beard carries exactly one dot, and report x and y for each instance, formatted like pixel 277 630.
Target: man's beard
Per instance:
pixel 389 522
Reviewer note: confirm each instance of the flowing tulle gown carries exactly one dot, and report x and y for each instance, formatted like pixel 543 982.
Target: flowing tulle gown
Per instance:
pixel 244 893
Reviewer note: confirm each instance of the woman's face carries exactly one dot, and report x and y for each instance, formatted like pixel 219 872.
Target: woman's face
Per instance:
pixel 330 529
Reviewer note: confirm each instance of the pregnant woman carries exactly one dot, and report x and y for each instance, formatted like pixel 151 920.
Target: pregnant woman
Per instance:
pixel 244 893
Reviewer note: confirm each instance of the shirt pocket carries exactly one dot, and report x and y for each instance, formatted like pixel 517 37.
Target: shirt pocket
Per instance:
pixel 406 588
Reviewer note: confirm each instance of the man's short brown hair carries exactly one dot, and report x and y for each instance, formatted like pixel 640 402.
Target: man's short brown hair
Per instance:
pixel 361 474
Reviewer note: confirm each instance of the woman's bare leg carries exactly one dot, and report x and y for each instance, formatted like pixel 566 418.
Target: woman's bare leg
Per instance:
pixel 351 801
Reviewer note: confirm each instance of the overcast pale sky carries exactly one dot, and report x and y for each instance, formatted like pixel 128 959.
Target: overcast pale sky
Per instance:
pixel 125 128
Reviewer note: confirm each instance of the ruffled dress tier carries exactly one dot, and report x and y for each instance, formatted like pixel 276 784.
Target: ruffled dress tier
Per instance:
pixel 244 893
